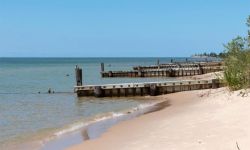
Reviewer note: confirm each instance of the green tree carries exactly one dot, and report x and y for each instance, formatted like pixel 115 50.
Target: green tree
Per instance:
pixel 237 63
pixel 248 24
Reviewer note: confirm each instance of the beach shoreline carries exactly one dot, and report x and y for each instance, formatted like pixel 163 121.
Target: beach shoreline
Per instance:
pixel 202 119
pixel 86 132
pixel 95 126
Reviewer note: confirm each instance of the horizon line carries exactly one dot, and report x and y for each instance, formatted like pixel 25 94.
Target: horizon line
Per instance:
pixel 100 57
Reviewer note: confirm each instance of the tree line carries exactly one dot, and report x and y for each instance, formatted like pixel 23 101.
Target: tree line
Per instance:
pixel 211 54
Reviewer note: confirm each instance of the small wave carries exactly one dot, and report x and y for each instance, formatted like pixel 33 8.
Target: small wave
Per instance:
pixel 72 128
pixel 80 125
pixel 146 105
pixel 93 127
pixel 103 117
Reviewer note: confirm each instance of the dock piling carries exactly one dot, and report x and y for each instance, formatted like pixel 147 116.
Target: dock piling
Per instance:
pixel 98 92
pixel 200 69
pixel 102 67
pixel 153 90
pixel 215 83
pixel 78 72
pixel 140 74
pixel 110 74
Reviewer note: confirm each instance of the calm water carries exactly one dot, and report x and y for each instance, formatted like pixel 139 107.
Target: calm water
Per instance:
pixel 25 114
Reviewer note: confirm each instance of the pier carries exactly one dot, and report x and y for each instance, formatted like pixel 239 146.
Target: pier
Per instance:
pixel 140 89
pixel 179 65
pixel 146 88
pixel 166 70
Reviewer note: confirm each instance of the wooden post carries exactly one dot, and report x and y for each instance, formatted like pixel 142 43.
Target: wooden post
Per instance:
pixel 200 69
pixel 78 72
pixel 102 67
pixel 158 62
pixel 102 74
pixel 172 60
pixel 110 74
pixel 153 90
pixel 173 88
pixel 98 91
pixel 140 74
pixel 172 73
pixel 179 69
pixel 215 83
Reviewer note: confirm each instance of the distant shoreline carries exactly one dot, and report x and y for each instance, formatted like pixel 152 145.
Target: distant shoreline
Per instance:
pixel 203 57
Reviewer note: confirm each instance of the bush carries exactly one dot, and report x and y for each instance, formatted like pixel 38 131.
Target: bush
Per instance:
pixel 237 63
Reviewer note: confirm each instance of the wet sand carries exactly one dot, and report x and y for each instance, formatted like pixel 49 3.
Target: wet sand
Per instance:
pixel 195 120
pixel 96 126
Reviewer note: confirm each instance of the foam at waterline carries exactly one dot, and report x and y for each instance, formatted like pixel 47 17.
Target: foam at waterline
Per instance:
pixel 94 127
pixel 146 105
pixel 102 117
pixel 82 124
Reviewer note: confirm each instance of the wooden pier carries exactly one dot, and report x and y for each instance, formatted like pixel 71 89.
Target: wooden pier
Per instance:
pixel 179 65
pixel 179 71
pixel 149 88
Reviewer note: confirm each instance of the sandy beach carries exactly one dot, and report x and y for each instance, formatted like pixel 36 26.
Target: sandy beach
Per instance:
pixel 195 120
pixel 124 75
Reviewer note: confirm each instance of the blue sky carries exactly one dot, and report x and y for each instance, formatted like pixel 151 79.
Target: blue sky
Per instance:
pixel 118 28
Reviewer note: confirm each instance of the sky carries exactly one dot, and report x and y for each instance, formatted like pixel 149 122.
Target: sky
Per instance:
pixel 119 28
